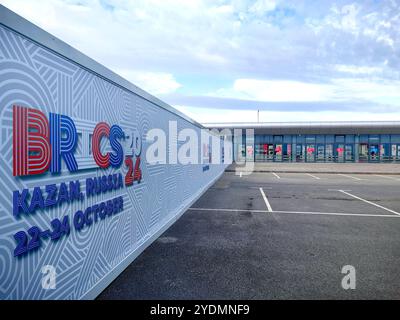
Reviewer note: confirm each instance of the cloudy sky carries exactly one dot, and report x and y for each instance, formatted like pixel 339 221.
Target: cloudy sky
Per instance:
pixel 220 60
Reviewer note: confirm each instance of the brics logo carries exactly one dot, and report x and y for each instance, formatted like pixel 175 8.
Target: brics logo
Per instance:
pixel 39 144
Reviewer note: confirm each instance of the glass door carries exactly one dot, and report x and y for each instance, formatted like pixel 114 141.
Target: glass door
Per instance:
pixel 349 153
pixel 264 151
pixel 384 152
pixel 329 156
pixel 299 153
pixel 394 152
pixel 340 152
pixel 398 152
pixel 374 153
pixel 270 153
pixel 258 152
pixel 310 153
pixel 320 152
pixel 363 152
pixel 278 152
pixel 288 152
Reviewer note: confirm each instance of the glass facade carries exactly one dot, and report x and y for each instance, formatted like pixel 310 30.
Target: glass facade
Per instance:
pixel 319 148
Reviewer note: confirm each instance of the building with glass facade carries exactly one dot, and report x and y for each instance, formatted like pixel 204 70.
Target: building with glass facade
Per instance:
pixel 316 141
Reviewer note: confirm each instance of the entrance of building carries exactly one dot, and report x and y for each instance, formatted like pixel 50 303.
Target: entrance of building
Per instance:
pixel 299 152
pixel 348 153
pixel 278 153
pixel 320 153
pixel 266 152
pixel 329 153
pixel 363 152
pixel 310 153
pixel 396 152
pixel 339 156
pixel 373 153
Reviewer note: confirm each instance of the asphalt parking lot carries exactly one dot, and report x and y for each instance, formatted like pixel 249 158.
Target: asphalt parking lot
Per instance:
pixel 276 236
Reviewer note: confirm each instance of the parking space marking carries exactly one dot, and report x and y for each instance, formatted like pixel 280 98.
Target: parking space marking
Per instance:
pixel 265 200
pixel 369 202
pixel 276 175
pixel 346 175
pixel 387 177
pixel 258 188
pixel 311 175
pixel 340 214
pixel 226 209
pixel 299 212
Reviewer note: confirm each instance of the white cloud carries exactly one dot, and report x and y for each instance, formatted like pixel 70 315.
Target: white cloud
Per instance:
pixel 235 37
pixel 374 90
pixel 268 50
pixel 339 89
pixel 349 18
pixel 344 18
pixel 153 82
pixel 357 69
pixel 276 90
pixel 205 115
pixel 269 90
pixel 261 7
pixel 386 39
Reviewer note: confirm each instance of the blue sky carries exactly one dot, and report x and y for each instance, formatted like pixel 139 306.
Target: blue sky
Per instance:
pixel 222 60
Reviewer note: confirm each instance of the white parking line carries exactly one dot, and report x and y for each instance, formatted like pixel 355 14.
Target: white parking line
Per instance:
pixel 369 202
pixel 299 212
pixel 386 177
pixel 226 209
pixel 276 175
pixel 346 175
pixel 339 214
pixel 311 175
pixel 266 200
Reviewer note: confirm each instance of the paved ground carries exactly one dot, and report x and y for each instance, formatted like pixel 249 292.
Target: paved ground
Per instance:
pixel 326 167
pixel 235 244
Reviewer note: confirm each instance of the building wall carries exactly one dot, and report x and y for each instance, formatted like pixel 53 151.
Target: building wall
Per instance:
pixel 319 147
pixel 84 261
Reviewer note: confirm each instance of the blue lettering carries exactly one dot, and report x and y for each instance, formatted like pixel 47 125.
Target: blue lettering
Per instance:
pixel 51 200
pixel 37 200
pixel 19 202
pixel 63 193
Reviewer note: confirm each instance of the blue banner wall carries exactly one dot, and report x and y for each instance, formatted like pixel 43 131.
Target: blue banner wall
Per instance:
pixel 77 224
